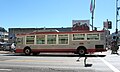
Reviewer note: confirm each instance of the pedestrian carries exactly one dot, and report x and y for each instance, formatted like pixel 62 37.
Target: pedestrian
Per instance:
pixel 114 47
pixel 13 47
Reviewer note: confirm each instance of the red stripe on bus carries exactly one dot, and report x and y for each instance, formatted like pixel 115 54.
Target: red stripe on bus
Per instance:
pixel 91 50
pixel 54 50
pixel 19 50
pixel 96 50
pixel 61 50
pixel 32 33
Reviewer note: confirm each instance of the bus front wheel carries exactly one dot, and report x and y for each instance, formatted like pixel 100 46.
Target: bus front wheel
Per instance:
pixel 27 51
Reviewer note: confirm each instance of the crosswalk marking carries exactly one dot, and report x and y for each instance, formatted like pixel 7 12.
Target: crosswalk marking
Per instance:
pixel 109 65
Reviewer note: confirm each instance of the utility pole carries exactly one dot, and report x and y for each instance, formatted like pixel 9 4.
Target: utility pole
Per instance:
pixel 116 32
pixel 92 8
pixel 92 19
pixel 117 14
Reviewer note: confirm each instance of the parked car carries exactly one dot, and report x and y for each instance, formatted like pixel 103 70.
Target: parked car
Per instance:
pixel 5 46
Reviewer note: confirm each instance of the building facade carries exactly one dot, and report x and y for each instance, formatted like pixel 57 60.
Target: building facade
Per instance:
pixel 13 31
pixel 3 35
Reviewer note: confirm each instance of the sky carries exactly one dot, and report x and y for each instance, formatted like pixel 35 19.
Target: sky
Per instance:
pixel 55 13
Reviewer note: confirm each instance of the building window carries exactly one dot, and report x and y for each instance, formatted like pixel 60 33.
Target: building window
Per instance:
pixel 6 36
pixel 40 39
pixel 78 36
pixel 30 39
pixel 2 36
pixel 63 39
pixel 51 39
pixel 92 36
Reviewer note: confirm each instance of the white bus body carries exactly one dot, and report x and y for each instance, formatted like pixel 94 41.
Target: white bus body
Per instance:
pixel 75 42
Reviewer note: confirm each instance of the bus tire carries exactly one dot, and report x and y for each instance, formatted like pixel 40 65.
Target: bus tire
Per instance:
pixel 81 51
pixel 27 51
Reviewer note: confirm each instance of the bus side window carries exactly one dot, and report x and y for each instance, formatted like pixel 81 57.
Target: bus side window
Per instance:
pixel 92 36
pixel 63 39
pixel 51 39
pixel 78 36
pixel 40 39
pixel 20 40
pixel 30 39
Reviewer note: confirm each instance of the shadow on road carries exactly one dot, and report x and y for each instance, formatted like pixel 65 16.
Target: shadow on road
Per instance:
pixel 57 55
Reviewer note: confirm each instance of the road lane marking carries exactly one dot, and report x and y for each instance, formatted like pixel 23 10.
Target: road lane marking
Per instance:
pixel 38 61
pixel 109 65
pixel 5 69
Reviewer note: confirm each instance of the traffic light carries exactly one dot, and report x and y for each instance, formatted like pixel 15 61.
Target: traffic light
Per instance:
pixel 116 31
pixel 109 25
pixel 95 28
pixel 114 37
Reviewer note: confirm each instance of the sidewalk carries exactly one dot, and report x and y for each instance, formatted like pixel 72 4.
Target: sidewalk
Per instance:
pixel 5 52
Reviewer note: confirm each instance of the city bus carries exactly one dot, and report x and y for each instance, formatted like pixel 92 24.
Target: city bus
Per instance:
pixel 85 42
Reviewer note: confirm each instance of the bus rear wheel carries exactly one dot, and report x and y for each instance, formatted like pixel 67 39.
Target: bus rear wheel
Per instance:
pixel 27 51
pixel 81 51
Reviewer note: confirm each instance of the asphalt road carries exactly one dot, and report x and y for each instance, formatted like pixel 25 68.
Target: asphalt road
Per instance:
pixel 59 63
